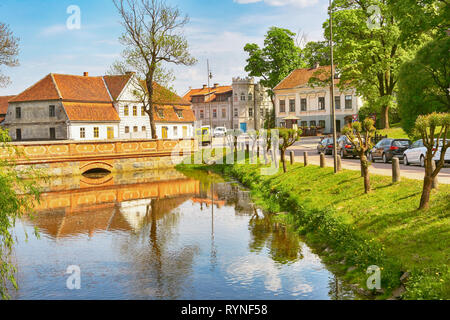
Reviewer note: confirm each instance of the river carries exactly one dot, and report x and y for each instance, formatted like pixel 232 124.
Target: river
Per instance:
pixel 162 235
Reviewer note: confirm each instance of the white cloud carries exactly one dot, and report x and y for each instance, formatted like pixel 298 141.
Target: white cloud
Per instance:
pixel 279 3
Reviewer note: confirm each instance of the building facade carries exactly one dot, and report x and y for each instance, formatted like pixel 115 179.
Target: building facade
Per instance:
pixel 243 105
pixel 4 100
pixel 298 102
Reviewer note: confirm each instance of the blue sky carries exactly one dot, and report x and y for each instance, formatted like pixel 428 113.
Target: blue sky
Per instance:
pixel 218 31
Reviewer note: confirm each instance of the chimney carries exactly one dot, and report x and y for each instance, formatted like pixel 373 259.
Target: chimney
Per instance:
pixel 204 86
pixel 85 74
pixel 216 85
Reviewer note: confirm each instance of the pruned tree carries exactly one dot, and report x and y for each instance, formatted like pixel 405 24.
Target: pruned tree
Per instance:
pixel 427 126
pixel 153 36
pixel 9 50
pixel 287 138
pixel 360 135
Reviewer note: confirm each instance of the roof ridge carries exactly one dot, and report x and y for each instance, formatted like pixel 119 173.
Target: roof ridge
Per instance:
pixel 56 86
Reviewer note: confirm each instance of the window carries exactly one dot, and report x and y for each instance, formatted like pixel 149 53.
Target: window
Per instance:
pixel 134 111
pixel 236 113
pixel 250 97
pixel 304 124
pixel 51 111
pixel 82 133
pixel 125 111
pixel 202 114
pixel 214 113
pixel 312 123
pixel 242 96
pixel 144 129
pixel 321 103
pixel 250 112
pixel 179 113
pixel 291 105
pixel 348 102
pixel 160 113
pixel 135 129
pixel 127 129
pixel 18 113
pixel 322 123
pixel 303 105
pixel 282 106
pixel 337 102
pixel 96 132
pixel 143 111
pixel 18 134
pixel 175 132
pixel 224 113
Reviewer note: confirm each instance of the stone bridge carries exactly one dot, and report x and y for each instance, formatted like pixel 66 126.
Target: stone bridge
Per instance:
pixel 59 158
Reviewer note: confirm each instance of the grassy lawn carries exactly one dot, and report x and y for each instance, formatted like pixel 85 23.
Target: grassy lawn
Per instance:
pixel 383 228
pixel 396 132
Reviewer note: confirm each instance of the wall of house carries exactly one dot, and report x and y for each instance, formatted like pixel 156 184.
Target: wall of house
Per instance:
pixel 220 120
pixel 74 131
pixel 35 121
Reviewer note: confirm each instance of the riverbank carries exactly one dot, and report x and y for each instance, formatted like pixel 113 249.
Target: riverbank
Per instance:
pixel 352 230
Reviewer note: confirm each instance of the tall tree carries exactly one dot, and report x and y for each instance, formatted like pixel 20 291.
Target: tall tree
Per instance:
pixel 9 50
pixel 272 63
pixel 317 52
pixel 369 50
pixel 153 36
pixel 424 83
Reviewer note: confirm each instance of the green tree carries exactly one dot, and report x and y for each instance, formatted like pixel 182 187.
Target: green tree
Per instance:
pixel 272 63
pixel 287 138
pixel 369 50
pixel 424 83
pixel 426 126
pixel 18 192
pixel 317 52
pixel 153 35
pixel 361 134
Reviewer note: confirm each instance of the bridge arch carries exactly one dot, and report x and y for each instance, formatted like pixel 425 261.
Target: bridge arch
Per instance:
pixel 96 166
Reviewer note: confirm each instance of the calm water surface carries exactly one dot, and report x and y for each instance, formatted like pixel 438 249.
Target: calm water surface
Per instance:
pixel 163 235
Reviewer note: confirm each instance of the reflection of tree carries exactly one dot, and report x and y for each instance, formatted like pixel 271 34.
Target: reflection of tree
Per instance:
pixel 338 291
pixel 284 245
pixel 162 268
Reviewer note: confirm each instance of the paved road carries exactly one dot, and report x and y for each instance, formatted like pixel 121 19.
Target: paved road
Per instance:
pixel 412 171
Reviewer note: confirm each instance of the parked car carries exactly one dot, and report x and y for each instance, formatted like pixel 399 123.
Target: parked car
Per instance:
pixel 325 146
pixel 220 131
pixel 386 149
pixel 417 152
pixel 345 148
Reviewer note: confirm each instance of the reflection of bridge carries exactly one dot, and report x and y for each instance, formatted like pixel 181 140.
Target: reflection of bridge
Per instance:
pixel 77 157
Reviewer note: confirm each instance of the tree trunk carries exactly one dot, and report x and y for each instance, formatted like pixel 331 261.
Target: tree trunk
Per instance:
pixel 426 191
pixel 151 110
pixel 385 117
pixel 365 172
pixel 283 161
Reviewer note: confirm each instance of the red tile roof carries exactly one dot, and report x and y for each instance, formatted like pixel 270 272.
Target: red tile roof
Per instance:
pixel 206 91
pixel 170 115
pixel 301 77
pixel 81 88
pixel 94 112
pixel 4 104
pixel 117 83
pixel 42 90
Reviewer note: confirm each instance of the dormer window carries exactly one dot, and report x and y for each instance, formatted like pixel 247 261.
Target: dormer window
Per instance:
pixel 179 113
pixel 160 113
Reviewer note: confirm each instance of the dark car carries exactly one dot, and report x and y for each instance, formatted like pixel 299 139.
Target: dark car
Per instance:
pixel 386 149
pixel 345 148
pixel 325 146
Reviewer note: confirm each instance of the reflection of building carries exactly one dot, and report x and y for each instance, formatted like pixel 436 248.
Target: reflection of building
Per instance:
pixel 296 102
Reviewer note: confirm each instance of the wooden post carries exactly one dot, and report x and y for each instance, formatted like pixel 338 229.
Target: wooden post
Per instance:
pixel 305 158
pixel 247 148
pixel 434 183
pixel 292 157
pixel 322 160
pixel 395 170
pixel 338 163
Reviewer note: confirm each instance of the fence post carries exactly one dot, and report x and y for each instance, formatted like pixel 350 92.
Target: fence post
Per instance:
pixel 305 158
pixel 395 170
pixel 292 157
pixel 339 163
pixel 434 183
pixel 322 160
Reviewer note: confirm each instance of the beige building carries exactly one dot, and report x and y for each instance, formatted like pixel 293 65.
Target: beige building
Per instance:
pixel 298 102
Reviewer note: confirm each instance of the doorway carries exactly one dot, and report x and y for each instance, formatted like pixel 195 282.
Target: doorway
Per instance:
pixel 165 131
pixel 52 134
pixel 110 132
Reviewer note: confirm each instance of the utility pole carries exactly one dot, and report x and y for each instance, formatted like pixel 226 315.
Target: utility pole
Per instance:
pixel 209 97
pixel 333 110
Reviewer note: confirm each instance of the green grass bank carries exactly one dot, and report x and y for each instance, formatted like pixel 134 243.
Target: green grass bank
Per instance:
pixel 352 230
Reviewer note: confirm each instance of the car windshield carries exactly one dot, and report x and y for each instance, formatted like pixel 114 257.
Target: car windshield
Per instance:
pixel 401 143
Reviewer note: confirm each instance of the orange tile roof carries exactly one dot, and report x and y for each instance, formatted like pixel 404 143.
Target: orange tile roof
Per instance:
pixel 301 77
pixel 171 116
pixel 4 103
pixel 117 83
pixel 96 112
pixel 206 91
pixel 81 88
pixel 42 90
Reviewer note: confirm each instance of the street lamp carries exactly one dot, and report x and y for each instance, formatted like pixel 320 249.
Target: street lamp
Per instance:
pixel 333 110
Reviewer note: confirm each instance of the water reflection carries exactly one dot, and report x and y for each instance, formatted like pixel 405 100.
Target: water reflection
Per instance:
pixel 163 235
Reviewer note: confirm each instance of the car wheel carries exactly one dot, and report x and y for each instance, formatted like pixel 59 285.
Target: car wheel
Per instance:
pixel 422 161
pixel 385 160
pixel 405 160
pixel 371 158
